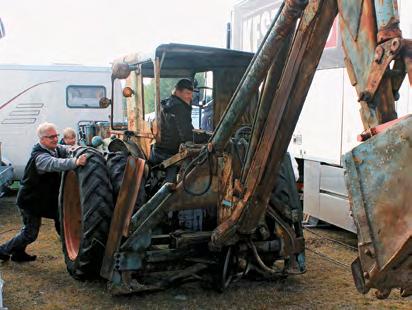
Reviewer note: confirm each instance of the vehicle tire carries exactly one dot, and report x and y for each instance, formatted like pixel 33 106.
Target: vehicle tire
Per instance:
pixel 86 208
pixel 285 197
pixel 116 163
pixel 285 201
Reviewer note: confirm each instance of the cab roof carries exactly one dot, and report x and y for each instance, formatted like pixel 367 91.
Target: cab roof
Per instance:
pixel 182 60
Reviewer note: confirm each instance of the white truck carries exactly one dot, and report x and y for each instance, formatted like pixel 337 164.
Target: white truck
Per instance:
pixel 67 95
pixel 329 123
pixel 6 172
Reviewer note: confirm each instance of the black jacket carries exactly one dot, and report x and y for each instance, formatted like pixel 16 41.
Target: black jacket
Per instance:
pixel 176 118
pixel 38 193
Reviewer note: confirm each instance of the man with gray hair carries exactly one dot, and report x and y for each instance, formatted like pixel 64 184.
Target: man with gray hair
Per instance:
pixel 39 191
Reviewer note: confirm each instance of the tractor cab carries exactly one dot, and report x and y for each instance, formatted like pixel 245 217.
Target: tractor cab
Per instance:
pixel 215 73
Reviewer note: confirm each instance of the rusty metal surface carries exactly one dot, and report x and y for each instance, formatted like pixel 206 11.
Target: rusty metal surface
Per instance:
pixel 350 14
pixel 256 72
pixel 359 48
pixel 184 152
pixel 125 203
pixel 225 177
pixel 269 90
pixel 240 206
pixel 225 82
pixel 143 133
pixel 387 19
pixel 407 56
pixel 379 180
pixel 287 104
pixel 197 181
pixel 281 120
pixel 384 54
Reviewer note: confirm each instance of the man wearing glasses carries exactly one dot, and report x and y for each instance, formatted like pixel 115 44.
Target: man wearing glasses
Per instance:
pixel 39 191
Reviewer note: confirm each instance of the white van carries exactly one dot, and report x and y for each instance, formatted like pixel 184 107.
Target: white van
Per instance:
pixel 66 95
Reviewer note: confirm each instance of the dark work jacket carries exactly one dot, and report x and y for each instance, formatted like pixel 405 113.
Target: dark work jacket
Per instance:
pixel 176 127
pixel 38 193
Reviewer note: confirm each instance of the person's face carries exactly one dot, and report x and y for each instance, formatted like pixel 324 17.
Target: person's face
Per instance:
pixel 185 95
pixel 50 138
pixel 70 140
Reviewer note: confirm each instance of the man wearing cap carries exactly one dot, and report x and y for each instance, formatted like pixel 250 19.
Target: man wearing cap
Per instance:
pixel 176 119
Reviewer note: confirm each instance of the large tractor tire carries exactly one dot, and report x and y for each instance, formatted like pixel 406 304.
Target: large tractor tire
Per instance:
pixel 116 163
pixel 86 208
pixel 285 197
pixel 286 203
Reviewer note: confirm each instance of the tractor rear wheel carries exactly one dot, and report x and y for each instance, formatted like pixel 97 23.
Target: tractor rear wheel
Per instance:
pixel 86 208
pixel 116 163
pixel 286 203
pixel 285 197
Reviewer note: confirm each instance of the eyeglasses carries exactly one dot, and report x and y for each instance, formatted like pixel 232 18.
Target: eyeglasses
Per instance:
pixel 51 137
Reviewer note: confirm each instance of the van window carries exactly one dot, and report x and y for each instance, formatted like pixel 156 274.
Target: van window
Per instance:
pixel 84 96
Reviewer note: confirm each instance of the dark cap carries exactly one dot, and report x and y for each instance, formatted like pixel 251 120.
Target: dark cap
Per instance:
pixel 184 84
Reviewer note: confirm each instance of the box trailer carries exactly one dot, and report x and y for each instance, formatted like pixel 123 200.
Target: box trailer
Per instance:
pixel 66 95
pixel 329 123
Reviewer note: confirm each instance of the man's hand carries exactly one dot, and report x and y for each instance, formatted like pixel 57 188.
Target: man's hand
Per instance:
pixel 81 160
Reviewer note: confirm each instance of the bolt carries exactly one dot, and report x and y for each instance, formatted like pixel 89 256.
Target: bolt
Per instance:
pixel 368 252
pixel 365 96
pixel 242 263
pixel 395 45
pixel 378 54
pixel 210 147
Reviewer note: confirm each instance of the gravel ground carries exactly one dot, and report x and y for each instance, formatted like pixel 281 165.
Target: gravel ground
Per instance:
pixel 45 284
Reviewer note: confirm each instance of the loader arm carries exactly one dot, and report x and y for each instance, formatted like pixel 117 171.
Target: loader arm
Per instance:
pixel 372 41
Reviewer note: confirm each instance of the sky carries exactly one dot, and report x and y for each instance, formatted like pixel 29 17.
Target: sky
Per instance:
pixel 95 32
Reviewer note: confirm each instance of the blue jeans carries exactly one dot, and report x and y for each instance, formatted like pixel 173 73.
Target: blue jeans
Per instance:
pixel 28 234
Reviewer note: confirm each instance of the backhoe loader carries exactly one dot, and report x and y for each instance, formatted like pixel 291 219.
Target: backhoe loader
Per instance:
pixel 234 210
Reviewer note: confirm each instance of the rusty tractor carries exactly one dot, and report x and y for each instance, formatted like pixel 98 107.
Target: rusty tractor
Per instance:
pixel 234 210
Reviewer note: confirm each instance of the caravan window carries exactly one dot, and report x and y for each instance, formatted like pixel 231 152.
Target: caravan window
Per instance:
pixel 84 96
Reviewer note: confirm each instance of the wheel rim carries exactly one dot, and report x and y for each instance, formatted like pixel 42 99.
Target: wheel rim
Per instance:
pixel 72 220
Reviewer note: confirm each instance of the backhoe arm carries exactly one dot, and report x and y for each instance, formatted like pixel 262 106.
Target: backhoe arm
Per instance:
pixel 378 171
pixel 372 41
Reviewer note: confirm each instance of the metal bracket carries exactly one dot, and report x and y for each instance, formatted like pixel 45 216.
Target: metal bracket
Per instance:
pixel 384 54
pixel 127 261
pixel 125 203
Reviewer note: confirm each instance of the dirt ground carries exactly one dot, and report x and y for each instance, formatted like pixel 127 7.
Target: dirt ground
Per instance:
pixel 45 284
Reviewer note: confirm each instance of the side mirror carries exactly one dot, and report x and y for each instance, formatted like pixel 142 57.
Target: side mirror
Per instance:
pixel 104 102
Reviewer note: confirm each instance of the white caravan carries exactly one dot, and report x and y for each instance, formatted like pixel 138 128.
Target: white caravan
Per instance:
pixel 66 95
pixel 329 122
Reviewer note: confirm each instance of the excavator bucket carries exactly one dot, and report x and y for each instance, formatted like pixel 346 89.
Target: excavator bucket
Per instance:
pixel 379 182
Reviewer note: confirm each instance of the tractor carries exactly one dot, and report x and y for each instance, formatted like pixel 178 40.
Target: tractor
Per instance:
pixel 234 210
